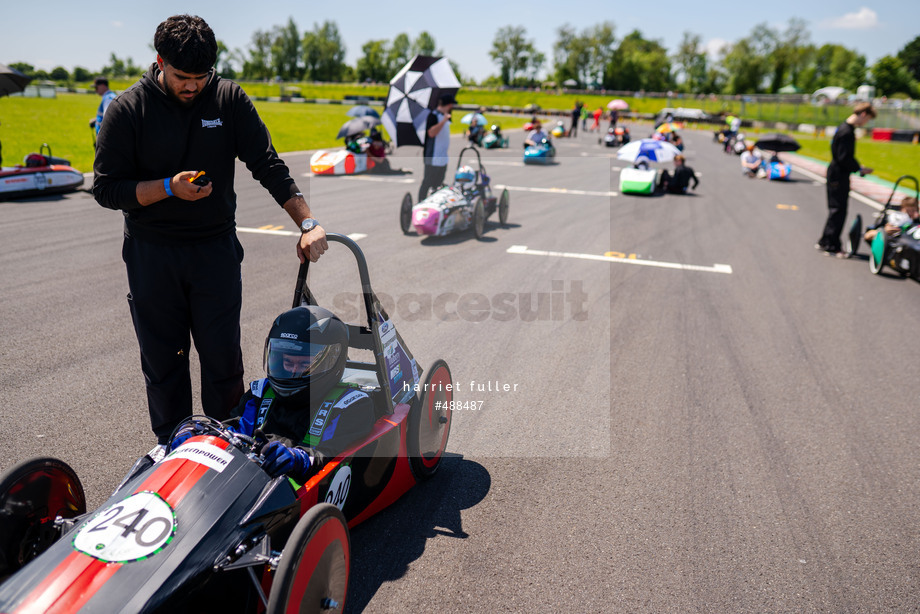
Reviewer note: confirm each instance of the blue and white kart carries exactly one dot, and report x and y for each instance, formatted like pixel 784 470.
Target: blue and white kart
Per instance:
pixel 541 153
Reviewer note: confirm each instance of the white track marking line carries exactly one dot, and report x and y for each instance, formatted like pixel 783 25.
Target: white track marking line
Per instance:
pixel 716 268
pixel 355 236
pixel 515 188
pixel 383 179
pixel 855 195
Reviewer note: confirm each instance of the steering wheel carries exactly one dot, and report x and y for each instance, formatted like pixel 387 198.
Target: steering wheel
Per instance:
pixel 206 425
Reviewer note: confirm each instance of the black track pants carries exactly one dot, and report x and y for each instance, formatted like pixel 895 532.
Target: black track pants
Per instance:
pixel 837 193
pixel 434 177
pixel 182 290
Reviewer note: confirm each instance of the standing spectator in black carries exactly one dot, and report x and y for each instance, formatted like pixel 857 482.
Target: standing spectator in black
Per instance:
pixel 843 163
pixel 180 247
pixel 437 142
pixel 576 115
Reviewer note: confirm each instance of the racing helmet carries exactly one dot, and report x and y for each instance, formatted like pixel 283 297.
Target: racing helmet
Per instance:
pixel 305 353
pixel 465 178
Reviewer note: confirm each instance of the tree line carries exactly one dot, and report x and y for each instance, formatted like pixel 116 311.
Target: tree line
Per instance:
pixel 767 60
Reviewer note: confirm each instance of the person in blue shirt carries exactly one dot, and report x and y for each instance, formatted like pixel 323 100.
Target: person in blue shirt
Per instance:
pixel 102 88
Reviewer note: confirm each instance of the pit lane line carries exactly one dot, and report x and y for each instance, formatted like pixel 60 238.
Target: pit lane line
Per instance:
pixel 277 231
pixel 856 195
pixel 516 188
pixel 716 268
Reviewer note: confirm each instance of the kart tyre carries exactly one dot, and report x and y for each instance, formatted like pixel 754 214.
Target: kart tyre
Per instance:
pixel 875 263
pixel 32 495
pixel 855 234
pixel 479 218
pixel 429 422
pixel 312 575
pixel 405 214
pixel 503 204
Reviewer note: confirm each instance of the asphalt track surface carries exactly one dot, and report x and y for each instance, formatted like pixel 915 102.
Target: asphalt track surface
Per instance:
pixel 735 434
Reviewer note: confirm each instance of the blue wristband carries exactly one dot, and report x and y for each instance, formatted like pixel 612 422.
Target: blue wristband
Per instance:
pixel 166 186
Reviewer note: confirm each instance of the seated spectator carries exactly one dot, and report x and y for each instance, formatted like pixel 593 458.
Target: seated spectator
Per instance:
pixel 677 141
pixel 679 182
pixel 474 134
pixel 377 152
pixel 752 162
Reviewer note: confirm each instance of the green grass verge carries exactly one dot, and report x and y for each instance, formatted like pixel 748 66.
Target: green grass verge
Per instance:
pixel 63 123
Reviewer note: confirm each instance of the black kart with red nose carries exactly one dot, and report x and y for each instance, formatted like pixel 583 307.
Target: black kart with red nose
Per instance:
pixel 205 528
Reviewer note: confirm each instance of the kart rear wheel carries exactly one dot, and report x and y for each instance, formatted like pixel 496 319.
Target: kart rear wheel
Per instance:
pixel 854 236
pixel 429 422
pixel 405 214
pixel 312 575
pixel 32 495
pixel 503 204
pixel 479 218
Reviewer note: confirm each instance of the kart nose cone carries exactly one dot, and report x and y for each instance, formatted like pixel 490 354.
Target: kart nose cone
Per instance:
pixel 426 220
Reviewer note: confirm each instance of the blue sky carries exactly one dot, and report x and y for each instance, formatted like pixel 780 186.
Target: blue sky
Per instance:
pixel 50 33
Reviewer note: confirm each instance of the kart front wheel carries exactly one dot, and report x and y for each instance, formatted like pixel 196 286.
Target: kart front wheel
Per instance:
pixel 32 495
pixel 429 422
pixel 405 214
pixel 312 575
pixel 479 218
pixel 503 204
pixel 878 253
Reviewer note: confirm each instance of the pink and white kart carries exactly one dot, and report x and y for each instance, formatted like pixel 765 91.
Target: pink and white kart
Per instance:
pixel 40 174
pixel 452 208
pixel 339 162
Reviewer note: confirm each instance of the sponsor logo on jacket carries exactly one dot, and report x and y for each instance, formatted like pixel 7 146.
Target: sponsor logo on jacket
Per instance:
pixel 211 123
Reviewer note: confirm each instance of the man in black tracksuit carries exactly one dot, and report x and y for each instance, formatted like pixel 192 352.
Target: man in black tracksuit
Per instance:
pixel 843 163
pixel 180 248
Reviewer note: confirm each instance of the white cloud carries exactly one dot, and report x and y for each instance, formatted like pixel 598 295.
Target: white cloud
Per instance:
pixel 714 46
pixel 863 19
pixel 118 24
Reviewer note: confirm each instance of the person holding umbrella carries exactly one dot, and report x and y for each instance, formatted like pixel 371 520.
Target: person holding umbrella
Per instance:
pixel 437 142
pixel 843 163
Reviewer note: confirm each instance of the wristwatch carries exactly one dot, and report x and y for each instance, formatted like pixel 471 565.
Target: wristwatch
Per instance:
pixel 308 224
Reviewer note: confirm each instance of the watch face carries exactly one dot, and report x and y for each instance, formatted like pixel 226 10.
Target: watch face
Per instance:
pixel 307 225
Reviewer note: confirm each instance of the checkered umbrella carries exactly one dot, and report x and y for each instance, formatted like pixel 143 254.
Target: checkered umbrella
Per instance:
pixel 414 93
pixel 11 80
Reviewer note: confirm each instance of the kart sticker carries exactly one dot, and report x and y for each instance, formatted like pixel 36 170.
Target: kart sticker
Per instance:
pixel 132 530
pixel 349 398
pixel 202 453
pixel 338 490
pixel 319 422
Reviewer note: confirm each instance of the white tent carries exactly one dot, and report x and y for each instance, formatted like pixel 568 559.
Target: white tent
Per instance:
pixel 831 92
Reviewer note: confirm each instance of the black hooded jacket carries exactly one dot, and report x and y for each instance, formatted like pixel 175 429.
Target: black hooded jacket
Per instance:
pixel 148 135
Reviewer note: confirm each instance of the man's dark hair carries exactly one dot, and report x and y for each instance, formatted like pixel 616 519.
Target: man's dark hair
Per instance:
pixel 187 43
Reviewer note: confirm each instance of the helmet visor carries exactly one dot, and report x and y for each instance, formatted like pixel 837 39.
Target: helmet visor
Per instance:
pixel 289 359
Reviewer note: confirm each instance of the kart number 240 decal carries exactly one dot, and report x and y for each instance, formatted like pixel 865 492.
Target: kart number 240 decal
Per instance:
pixel 132 530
